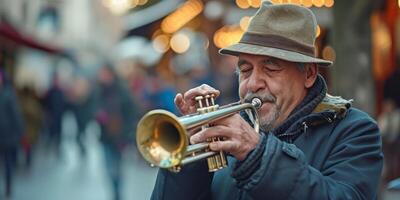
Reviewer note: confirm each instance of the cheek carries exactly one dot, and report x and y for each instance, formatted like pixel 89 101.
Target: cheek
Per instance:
pixel 242 89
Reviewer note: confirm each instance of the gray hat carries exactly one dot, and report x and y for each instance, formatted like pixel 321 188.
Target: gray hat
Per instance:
pixel 284 31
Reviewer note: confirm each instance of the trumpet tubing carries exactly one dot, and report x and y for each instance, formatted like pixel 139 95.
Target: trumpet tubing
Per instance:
pixel 162 137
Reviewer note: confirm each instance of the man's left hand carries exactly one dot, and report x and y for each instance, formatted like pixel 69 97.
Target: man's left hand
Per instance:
pixel 239 137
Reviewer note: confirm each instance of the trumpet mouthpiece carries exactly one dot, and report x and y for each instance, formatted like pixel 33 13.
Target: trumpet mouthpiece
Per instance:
pixel 257 103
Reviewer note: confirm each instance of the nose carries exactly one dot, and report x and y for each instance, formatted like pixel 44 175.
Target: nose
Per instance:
pixel 256 82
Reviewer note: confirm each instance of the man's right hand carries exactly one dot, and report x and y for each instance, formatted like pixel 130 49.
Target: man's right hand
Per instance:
pixel 186 103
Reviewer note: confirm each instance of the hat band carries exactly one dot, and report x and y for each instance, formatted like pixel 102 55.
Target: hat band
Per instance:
pixel 276 41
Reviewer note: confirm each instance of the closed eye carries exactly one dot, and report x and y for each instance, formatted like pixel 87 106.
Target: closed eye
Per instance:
pixel 272 65
pixel 244 67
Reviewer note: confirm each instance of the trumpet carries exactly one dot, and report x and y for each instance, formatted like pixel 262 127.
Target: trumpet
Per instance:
pixel 162 137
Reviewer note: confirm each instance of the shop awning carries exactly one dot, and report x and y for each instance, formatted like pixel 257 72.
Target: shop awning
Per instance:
pixel 11 33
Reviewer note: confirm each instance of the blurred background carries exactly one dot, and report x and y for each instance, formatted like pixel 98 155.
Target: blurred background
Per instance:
pixel 77 75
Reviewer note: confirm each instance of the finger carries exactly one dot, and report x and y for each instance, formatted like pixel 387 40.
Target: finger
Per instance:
pixel 202 90
pixel 210 89
pixel 193 131
pixel 180 103
pixel 215 131
pixel 226 146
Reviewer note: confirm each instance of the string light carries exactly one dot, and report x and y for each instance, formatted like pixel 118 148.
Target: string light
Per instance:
pixel 307 3
pixel 176 20
pixel 180 43
pixel 275 1
pixel 243 4
pixel 328 53
pixel 329 3
pixel 297 2
pixel 120 6
pixel 318 3
pixel 318 31
pixel 244 23
pixel 227 35
pixel 161 43
pixel 142 2
pixel 254 3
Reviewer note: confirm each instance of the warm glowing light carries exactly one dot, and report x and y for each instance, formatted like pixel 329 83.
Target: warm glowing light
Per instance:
pixel 328 53
pixel 329 3
pixel 227 35
pixel 318 3
pixel 307 3
pixel 297 2
pixel 243 4
pixel 275 1
pixel 156 33
pixel 244 23
pixel 142 2
pixel 318 31
pixel 120 6
pixel 161 43
pixel 180 43
pixel 383 39
pixel 254 3
pixel 398 2
pixel 176 20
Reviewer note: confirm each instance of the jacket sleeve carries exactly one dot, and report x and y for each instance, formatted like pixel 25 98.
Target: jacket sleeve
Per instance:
pixel 192 182
pixel 351 171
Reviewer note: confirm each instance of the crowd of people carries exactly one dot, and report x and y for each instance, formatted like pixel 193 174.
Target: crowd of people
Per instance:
pixel 113 100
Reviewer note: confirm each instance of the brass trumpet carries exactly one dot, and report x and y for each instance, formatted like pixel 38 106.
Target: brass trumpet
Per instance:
pixel 162 137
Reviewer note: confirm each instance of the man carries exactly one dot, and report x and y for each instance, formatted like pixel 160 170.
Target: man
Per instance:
pixel 312 145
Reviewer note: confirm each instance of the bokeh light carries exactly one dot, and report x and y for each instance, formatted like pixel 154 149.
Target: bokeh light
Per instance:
pixel 244 23
pixel 227 35
pixel 161 43
pixel 244 4
pixel 180 43
pixel 328 53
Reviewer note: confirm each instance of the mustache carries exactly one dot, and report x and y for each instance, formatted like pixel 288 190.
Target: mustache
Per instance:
pixel 264 97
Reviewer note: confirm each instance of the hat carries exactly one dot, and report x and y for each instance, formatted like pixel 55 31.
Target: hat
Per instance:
pixel 284 31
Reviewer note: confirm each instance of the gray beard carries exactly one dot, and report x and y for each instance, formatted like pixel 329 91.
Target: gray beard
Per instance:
pixel 265 125
pixel 268 125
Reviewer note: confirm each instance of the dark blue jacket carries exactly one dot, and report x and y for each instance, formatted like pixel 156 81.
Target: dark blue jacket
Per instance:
pixel 11 122
pixel 338 156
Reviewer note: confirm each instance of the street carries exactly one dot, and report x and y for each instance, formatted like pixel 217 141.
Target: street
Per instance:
pixel 72 176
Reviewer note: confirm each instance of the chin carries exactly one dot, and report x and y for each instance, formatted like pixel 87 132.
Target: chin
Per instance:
pixel 269 115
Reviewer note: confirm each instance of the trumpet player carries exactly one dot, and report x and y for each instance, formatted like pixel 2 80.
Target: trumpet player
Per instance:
pixel 311 145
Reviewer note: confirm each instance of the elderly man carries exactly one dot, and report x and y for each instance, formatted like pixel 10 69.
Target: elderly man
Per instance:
pixel 312 145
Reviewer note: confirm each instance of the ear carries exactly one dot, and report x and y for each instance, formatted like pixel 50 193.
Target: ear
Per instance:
pixel 311 71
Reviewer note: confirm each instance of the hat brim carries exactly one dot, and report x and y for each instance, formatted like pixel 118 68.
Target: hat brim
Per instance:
pixel 238 48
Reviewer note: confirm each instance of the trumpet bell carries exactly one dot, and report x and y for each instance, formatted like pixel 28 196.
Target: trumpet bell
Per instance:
pixel 162 140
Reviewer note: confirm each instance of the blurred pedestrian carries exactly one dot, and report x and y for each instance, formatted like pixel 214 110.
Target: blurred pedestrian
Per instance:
pixel 389 123
pixel 32 112
pixel 82 103
pixel 54 103
pixel 116 114
pixel 11 130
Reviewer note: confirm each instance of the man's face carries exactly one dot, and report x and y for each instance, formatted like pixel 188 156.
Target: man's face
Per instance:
pixel 280 84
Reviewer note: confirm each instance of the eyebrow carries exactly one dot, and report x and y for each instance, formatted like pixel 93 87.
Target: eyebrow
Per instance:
pixel 242 62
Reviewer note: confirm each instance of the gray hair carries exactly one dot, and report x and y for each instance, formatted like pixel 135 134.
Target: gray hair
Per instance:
pixel 301 66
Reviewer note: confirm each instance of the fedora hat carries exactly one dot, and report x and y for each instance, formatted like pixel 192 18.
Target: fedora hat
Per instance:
pixel 284 31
